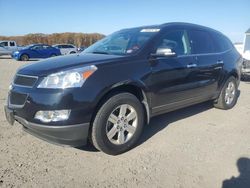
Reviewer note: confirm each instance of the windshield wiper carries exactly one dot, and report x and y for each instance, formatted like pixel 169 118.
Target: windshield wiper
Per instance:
pixel 99 52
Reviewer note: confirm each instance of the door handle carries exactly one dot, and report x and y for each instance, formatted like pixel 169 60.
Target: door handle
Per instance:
pixel 220 62
pixel 192 65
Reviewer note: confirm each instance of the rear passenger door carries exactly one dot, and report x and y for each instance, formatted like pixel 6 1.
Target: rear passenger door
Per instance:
pixel 209 63
pixel 36 52
pixel 47 51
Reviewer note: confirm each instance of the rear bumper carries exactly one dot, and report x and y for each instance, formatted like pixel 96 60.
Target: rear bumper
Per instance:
pixel 245 71
pixel 71 135
pixel 245 67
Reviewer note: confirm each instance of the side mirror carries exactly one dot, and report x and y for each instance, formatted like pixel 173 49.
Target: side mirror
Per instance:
pixel 164 52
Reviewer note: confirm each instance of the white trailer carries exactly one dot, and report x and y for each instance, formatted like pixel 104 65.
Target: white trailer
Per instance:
pixel 246 54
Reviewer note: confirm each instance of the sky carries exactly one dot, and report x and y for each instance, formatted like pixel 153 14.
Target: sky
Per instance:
pixel 19 17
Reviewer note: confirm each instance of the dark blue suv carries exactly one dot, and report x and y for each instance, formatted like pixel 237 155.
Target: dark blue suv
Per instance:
pixel 110 91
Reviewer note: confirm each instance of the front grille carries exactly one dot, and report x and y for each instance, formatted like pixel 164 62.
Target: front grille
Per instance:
pixel 25 80
pixel 17 98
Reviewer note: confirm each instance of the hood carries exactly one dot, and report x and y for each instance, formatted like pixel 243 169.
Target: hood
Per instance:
pixel 57 64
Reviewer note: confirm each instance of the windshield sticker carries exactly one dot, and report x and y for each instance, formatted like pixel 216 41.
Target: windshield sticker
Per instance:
pixel 150 30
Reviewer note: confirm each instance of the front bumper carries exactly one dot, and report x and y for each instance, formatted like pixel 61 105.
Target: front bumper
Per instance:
pixel 25 100
pixel 15 56
pixel 72 135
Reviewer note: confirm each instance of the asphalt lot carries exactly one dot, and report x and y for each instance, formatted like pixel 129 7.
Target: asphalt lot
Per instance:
pixel 198 146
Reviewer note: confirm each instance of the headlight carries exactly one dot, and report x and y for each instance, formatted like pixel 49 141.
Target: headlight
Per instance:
pixel 68 79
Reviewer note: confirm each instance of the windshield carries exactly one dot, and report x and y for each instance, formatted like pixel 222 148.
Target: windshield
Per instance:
pixel 122 42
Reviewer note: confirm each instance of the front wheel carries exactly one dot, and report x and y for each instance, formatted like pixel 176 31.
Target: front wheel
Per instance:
pixel 228 96
pixel 118 124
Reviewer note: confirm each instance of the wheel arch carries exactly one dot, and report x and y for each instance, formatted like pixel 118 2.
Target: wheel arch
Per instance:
pixel 53 54
pixel 233 73
pixel 130 88
pixel 236 75
pixel 25 53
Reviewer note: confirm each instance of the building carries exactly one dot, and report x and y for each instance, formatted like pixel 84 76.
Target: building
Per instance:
pixel 246 46
pixel 247 41
pixel 239 47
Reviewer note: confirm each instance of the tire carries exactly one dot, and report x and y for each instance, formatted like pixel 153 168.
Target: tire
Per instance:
pixel 228 97
pixel 24 57
pixel 123 130
pixel 73 52
pixel 242 77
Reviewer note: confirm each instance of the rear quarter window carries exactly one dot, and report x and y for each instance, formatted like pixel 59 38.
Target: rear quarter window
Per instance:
pixel 201 42
pixel 222 42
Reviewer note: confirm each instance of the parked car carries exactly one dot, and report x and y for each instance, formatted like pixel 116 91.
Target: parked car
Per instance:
pixel 36 51
pixel 66 48
pixel 7 47
pixel 245 71
pixel 108 92
pixel 245 52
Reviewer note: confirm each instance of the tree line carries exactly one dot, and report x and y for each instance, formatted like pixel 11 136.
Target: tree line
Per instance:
pixel 78 39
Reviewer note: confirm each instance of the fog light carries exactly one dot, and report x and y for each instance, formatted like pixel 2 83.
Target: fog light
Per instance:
pixel 55 115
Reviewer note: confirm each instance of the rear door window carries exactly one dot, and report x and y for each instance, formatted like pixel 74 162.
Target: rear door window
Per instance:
pixel 201 42
pixel 37 47
pixel 45 47
pixel 65 46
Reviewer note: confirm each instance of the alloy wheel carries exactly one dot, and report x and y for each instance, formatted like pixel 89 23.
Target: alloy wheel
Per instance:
pixel 121 124
pixel 230 93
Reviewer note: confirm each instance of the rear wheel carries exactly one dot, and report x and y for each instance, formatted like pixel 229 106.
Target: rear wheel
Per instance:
pixel 52 55
pixel 228 95
pixel 24 57
pixel 73 52
pixel 118 124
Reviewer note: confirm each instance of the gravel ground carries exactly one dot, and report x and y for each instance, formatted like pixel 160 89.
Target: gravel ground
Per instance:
pixel 198 146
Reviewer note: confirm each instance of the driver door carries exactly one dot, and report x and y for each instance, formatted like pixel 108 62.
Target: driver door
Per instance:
pixel 174 77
